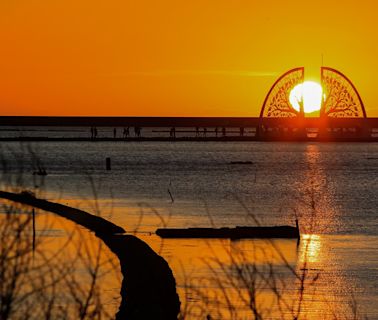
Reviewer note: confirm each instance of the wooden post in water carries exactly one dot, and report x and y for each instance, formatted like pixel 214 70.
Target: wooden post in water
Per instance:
pixel 108 167
pixel 33 243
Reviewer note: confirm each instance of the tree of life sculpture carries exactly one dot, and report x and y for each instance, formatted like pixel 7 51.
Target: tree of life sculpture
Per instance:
pixel 277 103
pixel 342 99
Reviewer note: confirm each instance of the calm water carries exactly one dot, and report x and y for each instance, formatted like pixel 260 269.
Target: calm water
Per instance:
pixel 330 187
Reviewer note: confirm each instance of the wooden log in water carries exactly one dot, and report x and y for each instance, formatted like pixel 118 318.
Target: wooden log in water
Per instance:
pixel 231 233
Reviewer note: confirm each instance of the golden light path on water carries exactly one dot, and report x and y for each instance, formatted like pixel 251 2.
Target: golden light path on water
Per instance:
pixel 320 270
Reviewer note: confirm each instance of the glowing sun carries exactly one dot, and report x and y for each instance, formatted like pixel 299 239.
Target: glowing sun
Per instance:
pixel 308 93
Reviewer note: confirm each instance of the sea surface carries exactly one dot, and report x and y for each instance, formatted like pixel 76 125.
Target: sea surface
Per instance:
pixel 331 188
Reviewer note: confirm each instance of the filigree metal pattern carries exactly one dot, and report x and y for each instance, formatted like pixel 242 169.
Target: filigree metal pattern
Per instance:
pixel 277 104
pixel 341 97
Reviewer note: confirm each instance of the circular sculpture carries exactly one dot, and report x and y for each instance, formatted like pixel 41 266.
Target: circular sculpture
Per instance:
pixel 340 96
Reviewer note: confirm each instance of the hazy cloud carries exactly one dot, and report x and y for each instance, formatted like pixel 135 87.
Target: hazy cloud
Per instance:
pixel 163 73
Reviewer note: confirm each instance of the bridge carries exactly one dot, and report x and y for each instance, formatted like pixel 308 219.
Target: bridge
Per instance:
pixel 342 117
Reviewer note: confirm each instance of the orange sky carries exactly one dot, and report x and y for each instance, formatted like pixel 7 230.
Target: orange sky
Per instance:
pixel 176 58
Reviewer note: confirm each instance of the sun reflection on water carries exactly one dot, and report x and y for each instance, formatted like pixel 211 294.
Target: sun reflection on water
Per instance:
pixel 310 248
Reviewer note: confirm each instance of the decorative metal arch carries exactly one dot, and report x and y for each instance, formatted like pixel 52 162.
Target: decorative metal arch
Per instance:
pixel 276 103
pixel 342 99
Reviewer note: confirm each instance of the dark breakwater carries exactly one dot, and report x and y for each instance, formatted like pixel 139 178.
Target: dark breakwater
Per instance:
pixel 148 287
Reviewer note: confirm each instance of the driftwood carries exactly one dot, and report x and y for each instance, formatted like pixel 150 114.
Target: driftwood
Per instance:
pixel 232 233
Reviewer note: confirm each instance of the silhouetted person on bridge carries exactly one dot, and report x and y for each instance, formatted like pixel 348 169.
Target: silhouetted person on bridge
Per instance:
pixel 137 131
pixel 173 132
pixel 204 132
pixel 197 131
pixel 216 132
pixel 223 131
pixel 114 133
pixel 241 131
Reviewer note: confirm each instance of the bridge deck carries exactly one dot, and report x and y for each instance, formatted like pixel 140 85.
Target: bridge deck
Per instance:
pixel 183 121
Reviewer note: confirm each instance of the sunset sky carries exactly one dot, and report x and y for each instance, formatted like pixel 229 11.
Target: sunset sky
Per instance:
pixel 176 58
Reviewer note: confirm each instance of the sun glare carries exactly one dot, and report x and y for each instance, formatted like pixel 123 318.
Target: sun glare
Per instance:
pixel 309 93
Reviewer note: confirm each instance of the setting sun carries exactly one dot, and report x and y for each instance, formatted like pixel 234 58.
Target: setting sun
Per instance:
pixel 309 93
